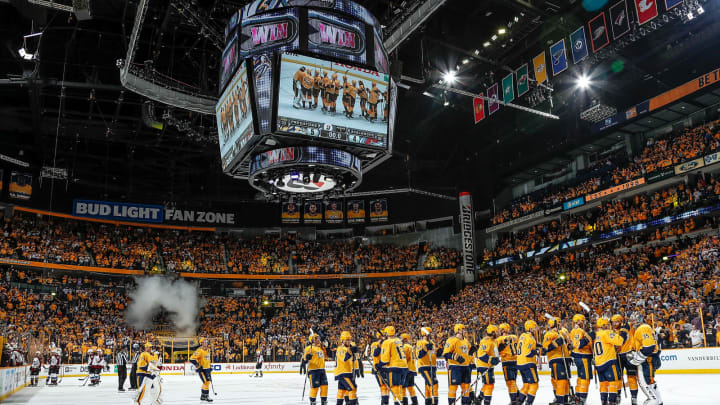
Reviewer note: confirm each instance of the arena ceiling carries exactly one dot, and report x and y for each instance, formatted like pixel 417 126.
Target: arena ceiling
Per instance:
pixel 101 133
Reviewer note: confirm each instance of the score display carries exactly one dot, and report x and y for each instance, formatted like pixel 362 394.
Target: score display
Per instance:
pixel 234 117
pixel 333 101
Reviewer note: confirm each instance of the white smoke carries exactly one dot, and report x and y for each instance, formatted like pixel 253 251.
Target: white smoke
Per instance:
pixel 179 298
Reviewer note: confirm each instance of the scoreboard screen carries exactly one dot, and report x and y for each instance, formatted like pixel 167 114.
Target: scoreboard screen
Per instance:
pixel 332 101
pixel 234 117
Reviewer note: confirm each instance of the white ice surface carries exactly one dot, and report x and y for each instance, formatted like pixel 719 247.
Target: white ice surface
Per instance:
pixel 282 389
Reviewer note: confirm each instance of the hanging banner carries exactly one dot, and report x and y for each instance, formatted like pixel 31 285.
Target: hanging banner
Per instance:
pixel 467 229
pixel 290 213
pixel 523 85
pixel 670 4
pixel 598 32
pixel 508 88
pixel 646 10
pixel 356 211
pixel 558 57
pixel 619 19
pixel 539 66
pixel 334 212
pixel 312 212
pixel 379 210
pixel 578 44
pixel 20 185
pixel 615 189
pixel 492 92
pixel 479 108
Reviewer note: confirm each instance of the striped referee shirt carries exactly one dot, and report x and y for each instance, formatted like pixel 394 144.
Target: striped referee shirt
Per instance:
pixel 135 357
pixel 121 358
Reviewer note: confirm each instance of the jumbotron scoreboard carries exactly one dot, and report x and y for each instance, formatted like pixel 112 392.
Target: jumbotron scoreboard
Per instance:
pixel 306 102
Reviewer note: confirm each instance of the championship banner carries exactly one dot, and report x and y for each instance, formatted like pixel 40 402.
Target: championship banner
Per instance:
pixel 312 212
pixel 379 210
pixel 508 88
pixel 598 32
pixel 646 10
pixel 20 185
pixel 290 213
pixel 689 166
pixel 619 19
pixel 479 108
pixel 334 212
pixel 492 93
pixel 356 211
pixel 467 229
pixel 578 44
pixel 558 56
pixel 118 211
pixel 539 66
pixel 670 4
pixel 523 85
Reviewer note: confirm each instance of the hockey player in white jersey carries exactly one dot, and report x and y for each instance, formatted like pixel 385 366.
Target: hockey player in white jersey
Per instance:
pixel 96 363
pixel 54 364
pixel 35 368
pixel 259 364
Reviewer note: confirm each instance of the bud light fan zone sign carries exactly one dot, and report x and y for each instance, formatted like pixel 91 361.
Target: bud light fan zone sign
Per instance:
pixel 333 101
pixel 118 211
pixel 336 36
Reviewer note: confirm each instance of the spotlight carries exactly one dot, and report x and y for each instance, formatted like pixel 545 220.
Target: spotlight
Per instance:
pixel 26 55
pixel 465 61
pixel 450 77
pixel 700 10
pixel 477 51
pixel 516 19
pixel 690 15
pixel 446 103
pixel 501 31
pixel 486 44
pixel 271 181
pixel 494 37
pixel 583 82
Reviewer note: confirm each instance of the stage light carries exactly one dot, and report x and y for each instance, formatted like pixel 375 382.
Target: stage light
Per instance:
pixel 446 103
pixel 516 19
pixel 465 61
pixel 486 44
pixel 700 10
pixel 26 55
pixel 477 51
pixel 690 15
pixel 450 77
pixel 502 31
pixel 494 37
pixel 583 82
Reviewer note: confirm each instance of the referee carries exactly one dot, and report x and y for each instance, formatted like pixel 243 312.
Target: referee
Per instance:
pixel 133 369
pixel 121 360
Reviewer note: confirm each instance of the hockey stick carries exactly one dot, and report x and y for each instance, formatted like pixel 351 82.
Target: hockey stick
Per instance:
pixel 620 370
pixel 304 385
pixel 586 308
pixel 383 381
pixel 562 349
pixel 62 374
pixel 213 387
pixel 462 394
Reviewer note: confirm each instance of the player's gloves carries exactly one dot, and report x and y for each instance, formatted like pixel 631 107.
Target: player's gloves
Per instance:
pixel 430 346
pixel 356 373
pixel 636 358
pixel 494 361
pixel 107 368
pixel 459 358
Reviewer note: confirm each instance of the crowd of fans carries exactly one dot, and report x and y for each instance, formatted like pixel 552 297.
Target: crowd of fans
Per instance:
pixel 58 240
pixel 616 214
pixel 657 154
pixel 675 286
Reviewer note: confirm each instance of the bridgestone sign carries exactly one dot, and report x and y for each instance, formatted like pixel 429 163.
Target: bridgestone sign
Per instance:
pixel 467 228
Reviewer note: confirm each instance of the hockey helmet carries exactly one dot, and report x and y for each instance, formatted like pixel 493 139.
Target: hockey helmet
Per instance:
pixel 530 324
pixel 602 322
pixel 302 68
pixel 390 330
pixel 504 327
pixel 552 322
pixel 345 335
pixel 425 330
pixel 148 344
pixel 491 329
pixel 458 327
pixel 636 318
pixel 404 336
pixel 616 318
pixel 579 318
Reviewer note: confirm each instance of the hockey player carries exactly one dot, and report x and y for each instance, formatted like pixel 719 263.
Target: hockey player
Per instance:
pixel 96 363
pixel 380 375
pixel 507 347
pixel 393 359
pixel 582 354
pixel 201 360
pixel 457 354
pixel 148 378
pixel 426 356
pixel 373 99
pixel 308 83
pixel 555 348
pixel 313 363
pixel 259 364
pixel 351 93
pixel 626 331
pixel 527 363
pixel 35 368
pixel 645 356
pixel 344 370
pixel 326 84
pixel 363 94
pixel 486 358
pixel 412 370
pixel 297 81
pixel 606 360
pixel 336 86
pixel 54 363
pixel 317 87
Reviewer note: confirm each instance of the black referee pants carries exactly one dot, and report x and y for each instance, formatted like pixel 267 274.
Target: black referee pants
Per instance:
pixel 133 377
pixel 122 375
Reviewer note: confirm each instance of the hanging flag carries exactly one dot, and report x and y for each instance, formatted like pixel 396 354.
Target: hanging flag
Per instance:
pixel 508 85
pixel 479 108
pixel 523 85
pixel 492 92
pixel 578 45
pixel 540 71
pixel 670 4
pixel 598 32
pixel 619 19
pixel 646 10
pixel 558 57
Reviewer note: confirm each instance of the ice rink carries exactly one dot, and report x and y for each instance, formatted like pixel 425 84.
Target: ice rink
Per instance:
pixel 281 389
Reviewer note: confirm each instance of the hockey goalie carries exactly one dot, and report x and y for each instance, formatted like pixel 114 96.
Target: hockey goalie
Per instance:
pixel 149 379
